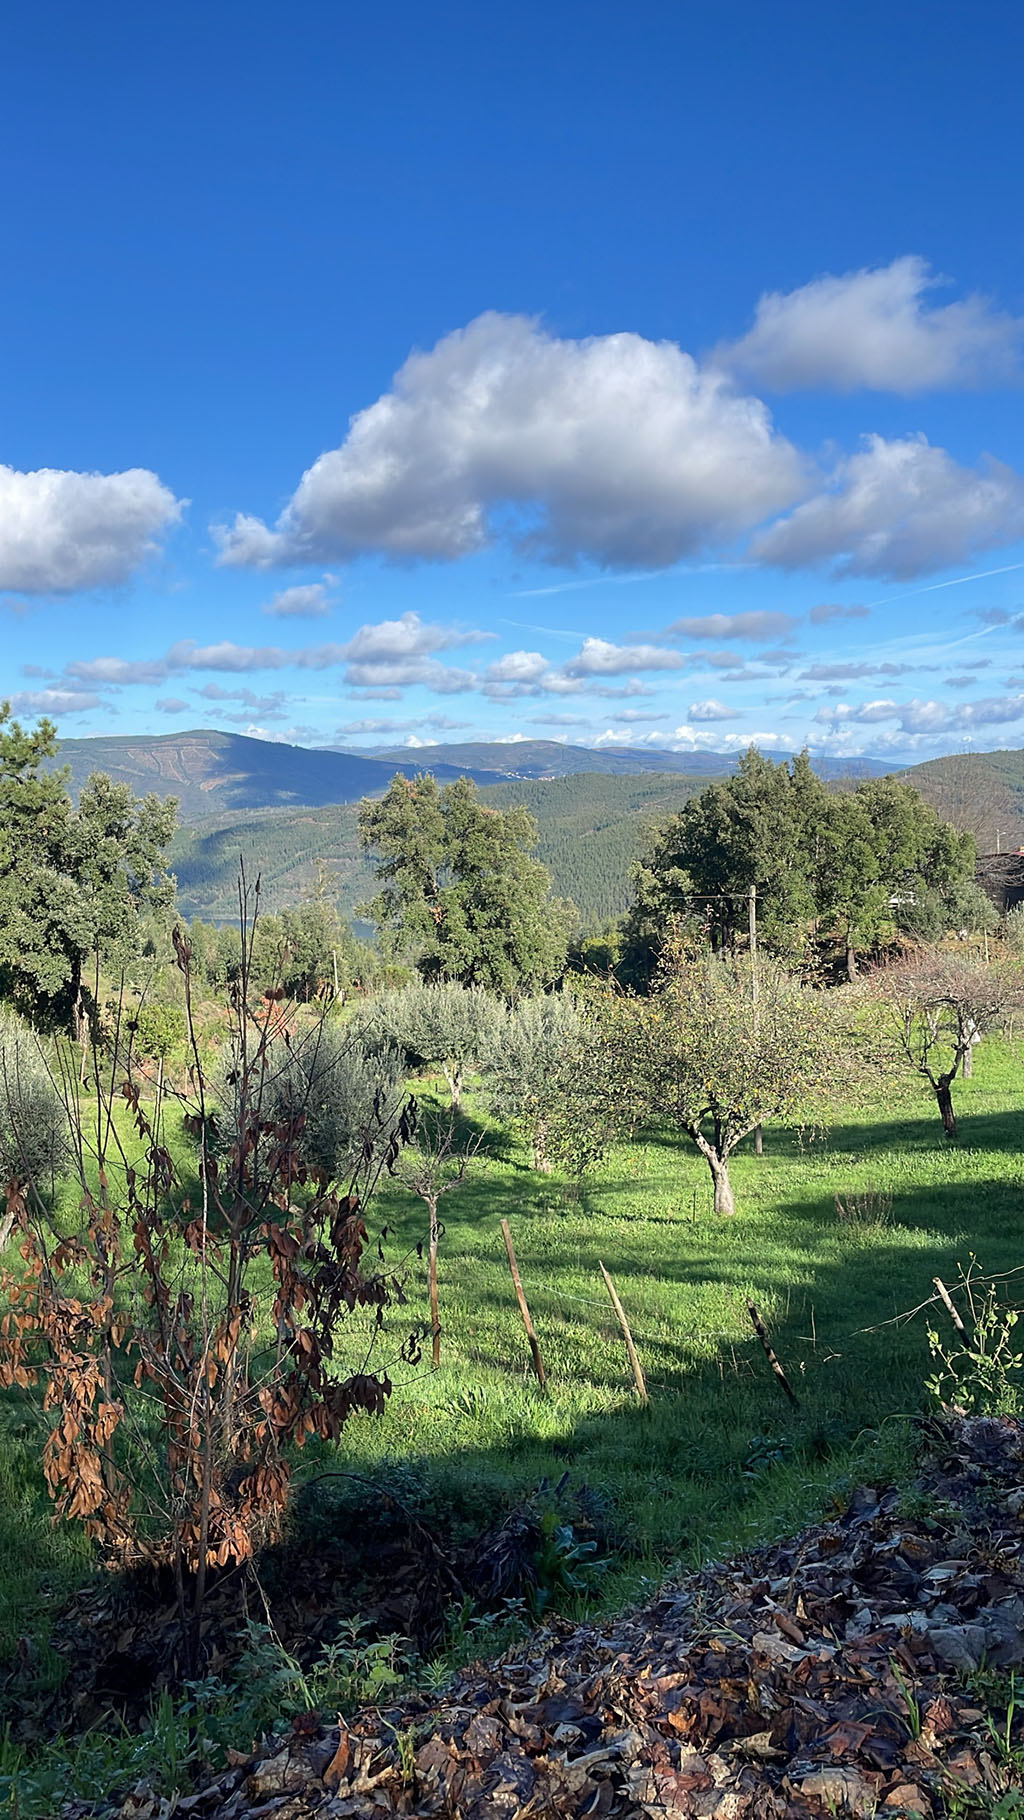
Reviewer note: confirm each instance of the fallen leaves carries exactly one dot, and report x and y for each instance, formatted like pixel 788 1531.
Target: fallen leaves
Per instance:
pixel 811 1678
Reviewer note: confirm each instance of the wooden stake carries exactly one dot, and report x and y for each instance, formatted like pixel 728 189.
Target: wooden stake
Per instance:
pixel 950 1306
pixel 638 1376
pixel 435 1319
pixel 769 1352
pixel 538 1362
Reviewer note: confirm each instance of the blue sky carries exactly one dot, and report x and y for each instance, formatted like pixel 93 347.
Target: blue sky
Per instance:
pixel 645 375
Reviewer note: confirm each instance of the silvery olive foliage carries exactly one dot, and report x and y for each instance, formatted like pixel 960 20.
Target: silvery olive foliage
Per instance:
pixel 35 1138
pixel 342 1082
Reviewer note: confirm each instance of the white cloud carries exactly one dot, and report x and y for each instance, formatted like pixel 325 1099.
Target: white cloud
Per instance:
pixel 599 658
pixel 616 449
pixel 899 509
pixel 710 710
pixel 60 530
pixel 873 328
pixel 309 601
pixel 929 717
pixel 691 739
pixel 56 701
pixel 734 625
pixel 171 704
pixel 388 655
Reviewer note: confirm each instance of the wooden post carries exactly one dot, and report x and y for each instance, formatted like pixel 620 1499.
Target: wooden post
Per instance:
pixel 435 1319
pixel 950 1306
pixel 638 1376
pixel 538 1362
pixel 769 1352
pixel 752 924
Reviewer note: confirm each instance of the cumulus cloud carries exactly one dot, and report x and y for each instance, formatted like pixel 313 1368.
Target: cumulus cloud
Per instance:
pixel 56 701
pixel 734 625
pixel 61 530
pixel 440 723
pixel 824 615
pixel 930 717
pixel 310 601
pixel 897 510
pixel 388 655
pixel 598 657
pixel 710 710
pixel 692 739
pixel 171 704
pixel 874 328
pixel 616 449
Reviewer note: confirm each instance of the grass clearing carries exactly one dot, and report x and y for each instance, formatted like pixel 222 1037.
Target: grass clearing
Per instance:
pixel 719 1460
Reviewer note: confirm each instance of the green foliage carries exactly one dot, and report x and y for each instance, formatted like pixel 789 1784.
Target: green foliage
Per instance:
pixel 35 1134
pixel 461 894
pixel 159 1030
pixel 182 1739
pixel 73 881
pixel 546 1071
pixel 722 1045
pixel 831 861
pixel 564 1564
pixel 445 1025
pixel 977 1370
pixel 332 1084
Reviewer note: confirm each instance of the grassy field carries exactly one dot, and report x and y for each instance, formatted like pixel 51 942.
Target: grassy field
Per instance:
pixel 719 1459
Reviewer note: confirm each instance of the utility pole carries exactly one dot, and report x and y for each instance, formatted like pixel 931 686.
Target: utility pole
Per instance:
pixel 752 927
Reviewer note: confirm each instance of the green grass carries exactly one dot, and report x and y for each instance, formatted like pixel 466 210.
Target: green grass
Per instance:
pixel 719 1460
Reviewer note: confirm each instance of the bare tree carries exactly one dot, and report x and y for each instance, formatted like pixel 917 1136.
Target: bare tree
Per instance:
pixel 942 1003
pixel 431 1167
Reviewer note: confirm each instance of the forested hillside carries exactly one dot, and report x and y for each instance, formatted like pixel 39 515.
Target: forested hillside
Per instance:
pixel 211 772
pixel 590 830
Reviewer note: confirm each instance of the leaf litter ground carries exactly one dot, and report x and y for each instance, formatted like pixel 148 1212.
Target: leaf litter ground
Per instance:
pixel 855 1670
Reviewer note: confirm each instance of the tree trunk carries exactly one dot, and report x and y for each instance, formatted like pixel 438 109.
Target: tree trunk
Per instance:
pixel 719 1167
pixel 79 1017
pixel 851 960
pixel 945 1099
pixel 758 1140
pixel 968 1067
pixel 452 1072
pixel 541 1160
pixel 435 1320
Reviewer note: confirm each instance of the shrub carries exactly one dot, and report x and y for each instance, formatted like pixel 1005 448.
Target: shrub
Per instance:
pixel 35 1137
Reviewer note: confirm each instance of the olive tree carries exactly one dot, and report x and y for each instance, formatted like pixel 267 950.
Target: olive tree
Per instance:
pixel 332 1082
pixel 720 1048
pixel 35 1136
pixel 942 1002
pixel 445 1025
pixel 532 1070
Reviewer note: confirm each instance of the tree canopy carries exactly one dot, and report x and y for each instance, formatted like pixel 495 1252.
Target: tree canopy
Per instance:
pixel 461 895
pixel 844 865
pixel 721 1046
pixel 74 881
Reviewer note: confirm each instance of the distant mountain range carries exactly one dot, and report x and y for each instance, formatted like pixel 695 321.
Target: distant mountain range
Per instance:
pixel 211 773
pixel 542 758
pixel 286 808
